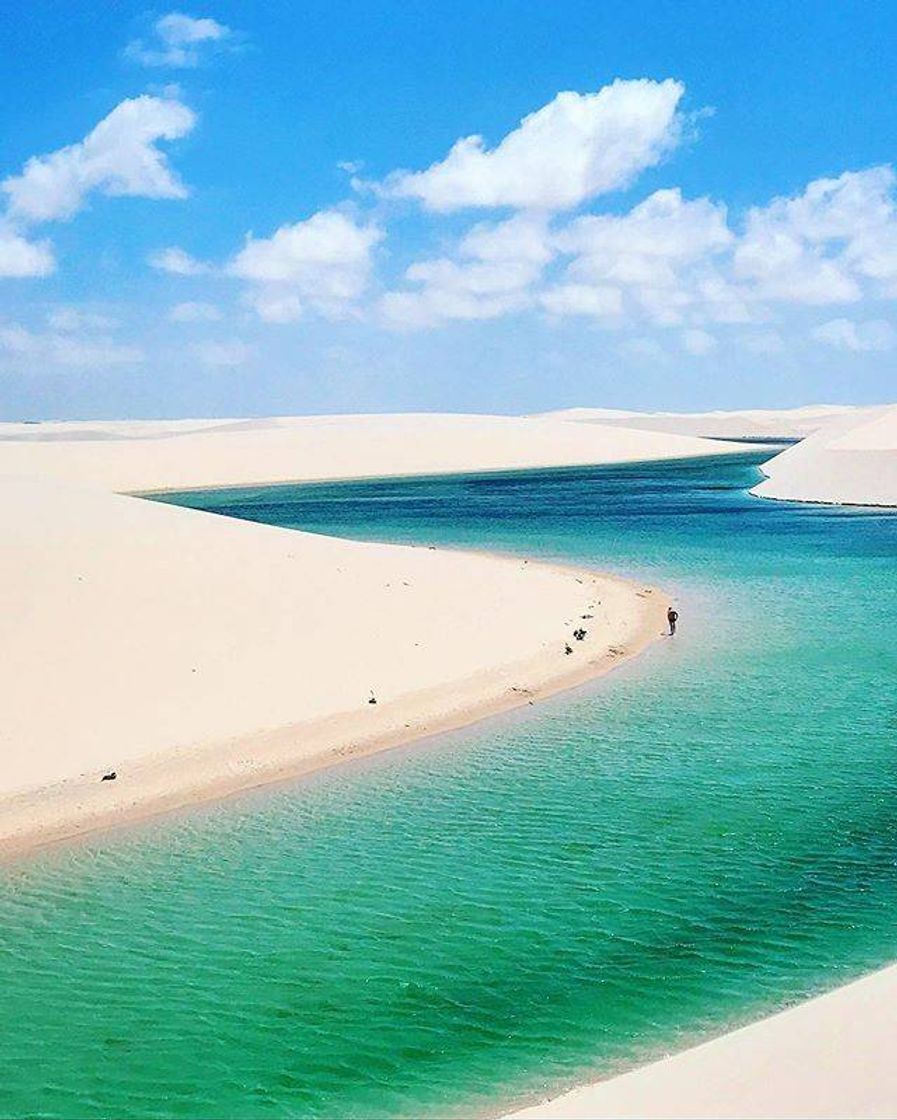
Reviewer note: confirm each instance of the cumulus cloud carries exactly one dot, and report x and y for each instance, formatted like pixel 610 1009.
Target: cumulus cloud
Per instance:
pixel 20 257
pixel 194 312
pixel 658 256
pixel 177 262
pixel 873 335
pixel 673 262
pixel 820 246
pixel 222 355
pixel 574 148
pixel 495 268
pixel 323 262
pixel 178 41
pixel 119 157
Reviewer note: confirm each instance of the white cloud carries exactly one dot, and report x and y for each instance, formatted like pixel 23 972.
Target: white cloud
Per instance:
pixel 323 262
pixel 599 301
pixel 63 348
pixel 873 335
pixel 69 319
pixel 222 355
pixel 497 266
pixel 119 157
pixel 274 306
pixel 698 342
pixel 177 262
pixel 822 245
pixel 660 255
pixel 20 258
pixel 522 238
pixel 574 148
pixel 674 263
pixel 478 290
pixel 194 313
pixel 178 41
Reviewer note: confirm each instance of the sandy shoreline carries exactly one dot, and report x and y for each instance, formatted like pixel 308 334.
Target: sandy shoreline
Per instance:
pixel 198 655
pixel 179 778
pixel 830 1056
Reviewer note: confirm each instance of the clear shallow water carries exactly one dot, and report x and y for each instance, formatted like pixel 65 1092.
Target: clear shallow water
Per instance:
pixel 695 839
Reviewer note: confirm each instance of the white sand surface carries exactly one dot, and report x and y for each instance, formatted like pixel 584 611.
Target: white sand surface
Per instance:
pixel 830 1057
pixel 847 462
pixel 195 654
pixel 758 423
pixel 159 455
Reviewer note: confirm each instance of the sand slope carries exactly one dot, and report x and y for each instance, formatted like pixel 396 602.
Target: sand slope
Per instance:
pixel 158 455
pixel 758 423
pixel 829 1057
pixel 846 462
pixel 130 628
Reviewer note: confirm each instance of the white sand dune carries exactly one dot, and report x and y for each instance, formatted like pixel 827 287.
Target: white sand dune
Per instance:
pixel 158 455
pixel 830 1057
pixel 847 462
pixel 196 655
pixel 758 423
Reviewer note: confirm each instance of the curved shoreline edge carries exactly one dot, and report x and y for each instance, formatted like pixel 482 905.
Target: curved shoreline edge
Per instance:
pixel 827 1057
pixel 183 777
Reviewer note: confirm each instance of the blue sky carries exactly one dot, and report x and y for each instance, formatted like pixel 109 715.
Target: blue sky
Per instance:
pixel 248 209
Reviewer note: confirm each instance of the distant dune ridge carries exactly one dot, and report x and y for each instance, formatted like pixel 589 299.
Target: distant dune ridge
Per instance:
pixel 757 423
pixel 144 456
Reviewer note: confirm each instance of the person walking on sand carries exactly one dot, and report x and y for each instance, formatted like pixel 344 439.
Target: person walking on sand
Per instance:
pixel 672 619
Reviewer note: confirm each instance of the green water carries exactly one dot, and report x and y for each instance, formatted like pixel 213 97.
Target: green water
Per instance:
pixel 700 837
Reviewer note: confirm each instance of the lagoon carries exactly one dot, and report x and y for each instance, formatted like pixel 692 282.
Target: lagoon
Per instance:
pixel 706 834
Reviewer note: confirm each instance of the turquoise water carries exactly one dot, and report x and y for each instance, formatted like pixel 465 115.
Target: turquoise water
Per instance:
pixel 698 838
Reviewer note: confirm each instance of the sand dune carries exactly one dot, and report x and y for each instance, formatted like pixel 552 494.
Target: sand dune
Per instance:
pixel 846 462
pixel 758 423
pixel 196 654
pixel 829 1057
pixel 158 455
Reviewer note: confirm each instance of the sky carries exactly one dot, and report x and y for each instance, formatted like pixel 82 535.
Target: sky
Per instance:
pixel 241 209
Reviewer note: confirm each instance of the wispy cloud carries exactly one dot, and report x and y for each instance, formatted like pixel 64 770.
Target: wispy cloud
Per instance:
pixel 179 41
pixel 869 336
pixel 177 262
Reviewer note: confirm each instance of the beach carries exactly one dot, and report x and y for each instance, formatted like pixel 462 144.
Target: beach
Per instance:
pixel 202 655
pixel 196 655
